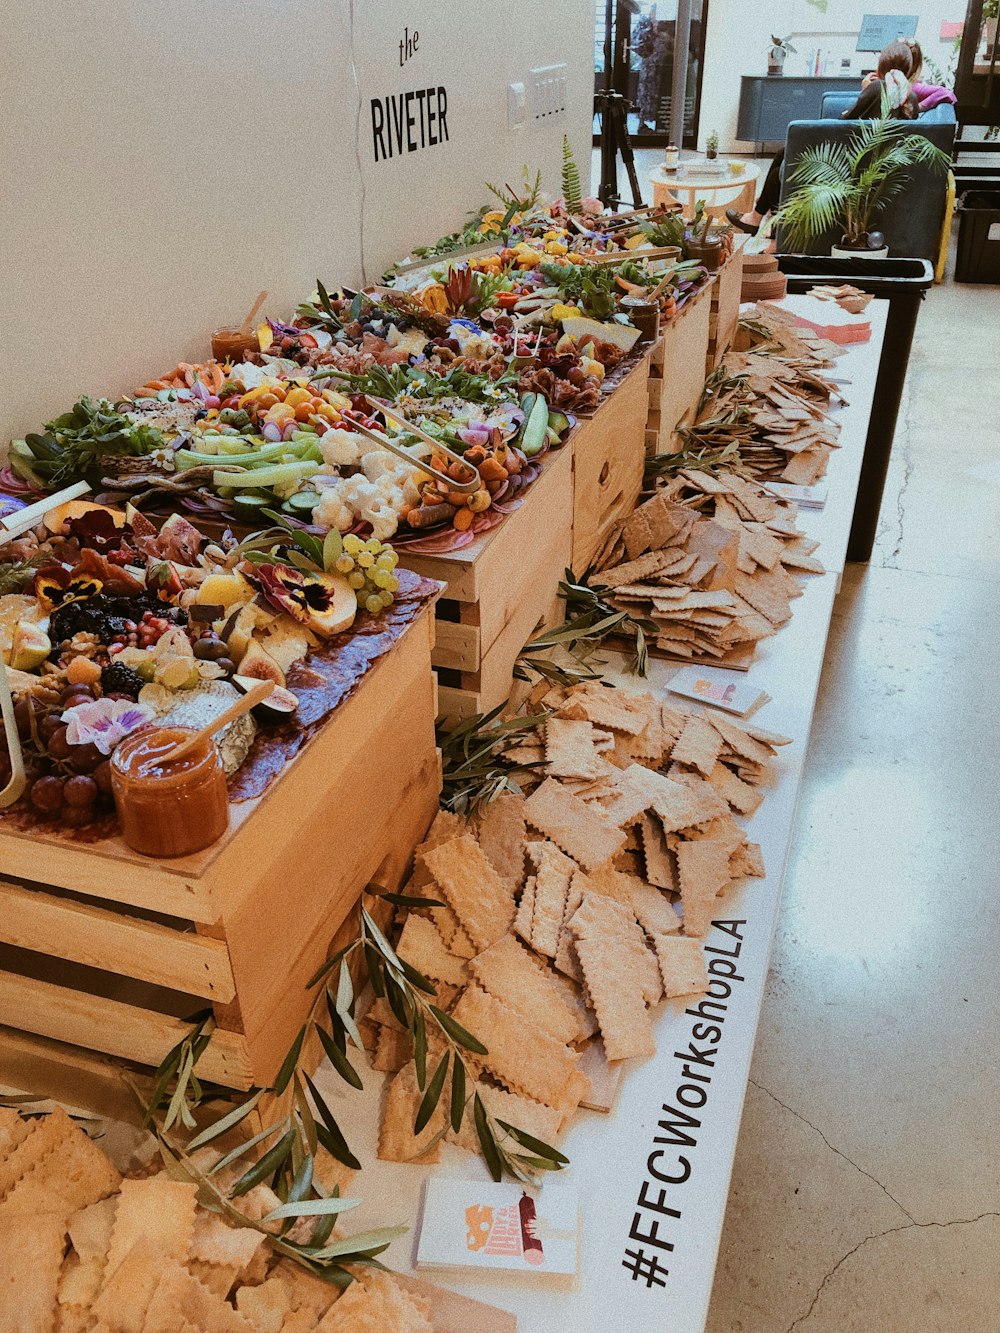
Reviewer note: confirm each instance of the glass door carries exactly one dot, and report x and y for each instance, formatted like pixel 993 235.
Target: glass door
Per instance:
pixel 641 52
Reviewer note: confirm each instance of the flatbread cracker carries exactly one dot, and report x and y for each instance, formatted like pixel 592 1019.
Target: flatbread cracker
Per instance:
pixel 508 972
pixel 397 1141
pixel 159 1210
pixel 653 910
pixel 703 869
pixel 31 1254
pixel 500 830
pixel 521 1056
pixel 583 832
pixel 393 1049
pixel 554 871
pixel 524 916
pixel 544 1122
pixel 698 745
pixel 682 965
pixel 422 947
pixel 479 897
pixel 570 751
pixel 621 1011
pixel 376 1304
pixel 661 869
pixel 739 795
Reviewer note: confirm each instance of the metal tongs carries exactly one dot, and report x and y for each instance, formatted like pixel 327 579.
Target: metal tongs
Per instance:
pixel 390 413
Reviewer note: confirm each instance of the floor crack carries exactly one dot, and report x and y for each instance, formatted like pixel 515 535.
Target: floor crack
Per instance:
pixel 877 1235
pixel 833 1148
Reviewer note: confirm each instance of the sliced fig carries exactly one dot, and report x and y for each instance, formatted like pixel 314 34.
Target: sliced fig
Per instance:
pixel 260 665
pixel 279 700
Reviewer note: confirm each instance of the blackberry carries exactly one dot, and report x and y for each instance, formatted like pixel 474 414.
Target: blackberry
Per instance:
pixel 120 679
pixel 106 616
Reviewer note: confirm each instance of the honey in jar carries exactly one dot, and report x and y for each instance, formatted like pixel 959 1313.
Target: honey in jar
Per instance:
pixel 234 344
pixel 169 807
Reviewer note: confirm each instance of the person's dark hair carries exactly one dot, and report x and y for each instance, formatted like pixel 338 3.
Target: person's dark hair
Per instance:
pixel 916 58
pixel 897 55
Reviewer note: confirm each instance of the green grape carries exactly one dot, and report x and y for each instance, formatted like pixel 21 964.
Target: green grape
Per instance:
pixel 356 580
pixel 393 584
pixel 353 543
pixel 380 578
pixel 387 560
pixel 373 604
pixel 385 598
pixel 373 545
pixel 344 564
pixel 365 560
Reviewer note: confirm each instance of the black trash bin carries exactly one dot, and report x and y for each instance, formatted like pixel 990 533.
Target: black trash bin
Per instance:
pixel 903 283
pixel 978 258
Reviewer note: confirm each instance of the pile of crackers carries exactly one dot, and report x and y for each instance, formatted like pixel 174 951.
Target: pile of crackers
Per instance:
pixel 572 911
pixel 773 402
pixel 712 560
pixel 81 1248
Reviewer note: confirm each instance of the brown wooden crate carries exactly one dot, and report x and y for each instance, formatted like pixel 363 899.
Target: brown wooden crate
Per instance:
pixel 681 358
pixel 608 456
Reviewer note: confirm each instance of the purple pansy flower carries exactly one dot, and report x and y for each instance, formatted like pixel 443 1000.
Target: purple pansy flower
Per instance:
pixel 104 722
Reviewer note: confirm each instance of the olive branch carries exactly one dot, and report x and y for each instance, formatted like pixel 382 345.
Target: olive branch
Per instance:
pixel 302 1121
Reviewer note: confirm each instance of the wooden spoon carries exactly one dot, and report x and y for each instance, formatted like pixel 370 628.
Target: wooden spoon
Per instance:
pixel 18 781
pixel 236 709
pixel 244 328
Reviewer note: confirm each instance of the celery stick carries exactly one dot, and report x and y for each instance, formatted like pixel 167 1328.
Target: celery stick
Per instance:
pixel 263 477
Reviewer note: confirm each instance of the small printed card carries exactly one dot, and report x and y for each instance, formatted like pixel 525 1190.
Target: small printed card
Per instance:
pixel 729 690
pixel 806 497
pixel 476 1224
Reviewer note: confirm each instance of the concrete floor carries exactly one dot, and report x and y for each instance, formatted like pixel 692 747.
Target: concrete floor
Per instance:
pixel 866 1189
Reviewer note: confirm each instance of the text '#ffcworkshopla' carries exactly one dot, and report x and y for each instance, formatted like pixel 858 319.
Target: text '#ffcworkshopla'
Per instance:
pixel 667 1169
pixel 405 122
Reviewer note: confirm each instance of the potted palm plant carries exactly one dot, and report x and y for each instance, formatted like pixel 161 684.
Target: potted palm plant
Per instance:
pixel 849 184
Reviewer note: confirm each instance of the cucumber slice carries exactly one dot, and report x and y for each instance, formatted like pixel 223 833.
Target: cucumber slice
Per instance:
pixel 247 501
pixel 301 501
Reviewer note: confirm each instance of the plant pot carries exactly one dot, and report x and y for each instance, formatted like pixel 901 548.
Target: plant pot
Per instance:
pixel 711 154
pixel 859 252
pixel 707 253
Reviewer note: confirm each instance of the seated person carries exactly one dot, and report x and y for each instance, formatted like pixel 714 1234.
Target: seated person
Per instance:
pixel 928 95
pixel 892 78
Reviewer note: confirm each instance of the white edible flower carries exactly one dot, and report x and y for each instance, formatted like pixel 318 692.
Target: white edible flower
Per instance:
pixel 342 447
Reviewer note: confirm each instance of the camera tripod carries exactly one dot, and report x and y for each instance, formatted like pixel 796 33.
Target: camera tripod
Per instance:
pixel 615 140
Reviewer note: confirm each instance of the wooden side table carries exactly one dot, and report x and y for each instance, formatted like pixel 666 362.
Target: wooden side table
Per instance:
pixel 738 191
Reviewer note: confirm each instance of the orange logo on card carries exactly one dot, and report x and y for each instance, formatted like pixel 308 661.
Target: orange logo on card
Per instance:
pixel 506 1231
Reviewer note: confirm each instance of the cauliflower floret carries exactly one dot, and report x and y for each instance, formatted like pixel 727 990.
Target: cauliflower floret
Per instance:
pixel 383 517
pixel 342 446
pixel 333 511
pixel 378 462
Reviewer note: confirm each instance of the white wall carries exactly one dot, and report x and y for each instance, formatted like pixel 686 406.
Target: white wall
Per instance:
pixel 160 163
pixel 738 37
pixel 474 48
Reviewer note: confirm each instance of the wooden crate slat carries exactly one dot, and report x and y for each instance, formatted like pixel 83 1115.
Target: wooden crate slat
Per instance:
pixel 681 355
pixel 83 933
pixel 124 1030
pixel 81 1079
pixel 456 647
pixel 726 294
pixel 342 813
pixel 608 456
pixel 112 872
